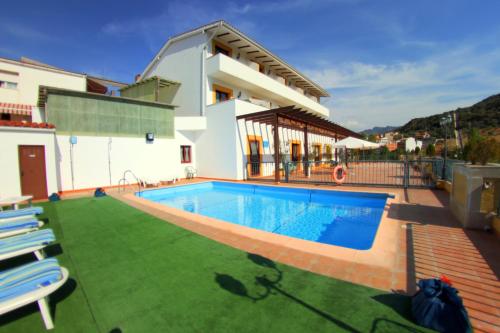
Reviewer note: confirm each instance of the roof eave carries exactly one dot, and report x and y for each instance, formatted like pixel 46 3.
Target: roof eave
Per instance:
pixel 218 24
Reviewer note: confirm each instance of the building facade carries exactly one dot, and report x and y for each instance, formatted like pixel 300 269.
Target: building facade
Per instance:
pixel 65 131
pixel 224 74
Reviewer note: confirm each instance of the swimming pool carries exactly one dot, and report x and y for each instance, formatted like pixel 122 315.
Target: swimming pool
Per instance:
pixel 347 219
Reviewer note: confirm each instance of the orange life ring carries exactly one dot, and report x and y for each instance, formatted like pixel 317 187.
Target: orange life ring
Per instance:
pixel 339 179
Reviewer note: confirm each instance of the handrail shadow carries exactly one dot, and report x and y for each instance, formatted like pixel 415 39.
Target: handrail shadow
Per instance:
pixel 271 286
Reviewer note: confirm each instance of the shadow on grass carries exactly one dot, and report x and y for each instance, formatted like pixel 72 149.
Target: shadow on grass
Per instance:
pixel 271 286
pixel 381 325
pixel 402 305
pixel 56 297
pixel 399 303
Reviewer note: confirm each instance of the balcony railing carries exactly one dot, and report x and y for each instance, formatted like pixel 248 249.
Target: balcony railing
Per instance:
pixel 240 74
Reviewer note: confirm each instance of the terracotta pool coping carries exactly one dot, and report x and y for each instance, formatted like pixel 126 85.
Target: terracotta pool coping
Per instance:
pixel 374 267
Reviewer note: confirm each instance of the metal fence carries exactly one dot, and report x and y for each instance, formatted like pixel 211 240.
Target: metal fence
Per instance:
pixel 450 163
pixel 406 173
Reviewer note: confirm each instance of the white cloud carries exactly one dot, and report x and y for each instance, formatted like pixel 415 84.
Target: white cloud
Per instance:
pixel 367 95
pixel 24 32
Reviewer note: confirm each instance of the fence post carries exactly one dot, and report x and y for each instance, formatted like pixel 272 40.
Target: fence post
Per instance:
pixel 287 171
pixel 406 176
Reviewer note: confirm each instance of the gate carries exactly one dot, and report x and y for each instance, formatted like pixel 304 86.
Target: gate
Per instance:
pixel 407 173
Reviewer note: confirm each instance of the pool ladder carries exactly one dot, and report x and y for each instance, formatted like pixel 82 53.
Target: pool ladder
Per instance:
pixel 123 183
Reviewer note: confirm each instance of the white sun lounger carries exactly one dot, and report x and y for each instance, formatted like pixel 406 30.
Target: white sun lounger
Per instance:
pixel 31 283
pixel 15 201
pixel 19 214
pixel 32 242
pixel 12 228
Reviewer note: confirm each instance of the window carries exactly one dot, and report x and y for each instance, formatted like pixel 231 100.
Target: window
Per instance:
pixel 317 152
pixel 221 94
pixel 8 84
pixel 219 48
pixel 185 154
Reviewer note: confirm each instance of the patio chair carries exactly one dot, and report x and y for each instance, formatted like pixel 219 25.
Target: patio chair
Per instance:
pixel 15 201
pixel 190 172
pixel 14 214
pixel 30 283
pixel 32 242
pixel 12 228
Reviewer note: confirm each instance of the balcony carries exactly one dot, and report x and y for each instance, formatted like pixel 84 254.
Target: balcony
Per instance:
pixel 242 76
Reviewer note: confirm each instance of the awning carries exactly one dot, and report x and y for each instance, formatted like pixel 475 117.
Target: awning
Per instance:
pixel 292 117
pixel 13 108
pixel 355 143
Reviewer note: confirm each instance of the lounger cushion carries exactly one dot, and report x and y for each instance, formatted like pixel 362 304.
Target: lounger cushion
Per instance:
pixel 23 224
pixel 36 238
pixel 21 212
pixel 27 278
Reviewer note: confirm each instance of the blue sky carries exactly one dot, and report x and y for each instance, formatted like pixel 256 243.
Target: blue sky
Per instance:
pixel 384 62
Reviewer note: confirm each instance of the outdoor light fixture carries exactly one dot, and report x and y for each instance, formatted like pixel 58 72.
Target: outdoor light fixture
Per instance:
pixel 444 121
pixel 150 137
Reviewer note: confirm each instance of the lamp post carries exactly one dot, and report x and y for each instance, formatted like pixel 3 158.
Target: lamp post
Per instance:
pixel 444 123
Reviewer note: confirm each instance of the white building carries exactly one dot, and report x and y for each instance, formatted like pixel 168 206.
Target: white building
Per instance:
pixel 225 74
pixel 212 75
pixel 411 144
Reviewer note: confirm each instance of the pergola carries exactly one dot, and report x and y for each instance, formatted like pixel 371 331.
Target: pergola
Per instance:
pixel 296 118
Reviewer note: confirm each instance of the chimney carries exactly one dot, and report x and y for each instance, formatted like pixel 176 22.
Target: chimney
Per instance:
pixel 137 77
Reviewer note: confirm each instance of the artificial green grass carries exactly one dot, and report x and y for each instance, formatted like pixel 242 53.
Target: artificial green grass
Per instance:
pixel 132 272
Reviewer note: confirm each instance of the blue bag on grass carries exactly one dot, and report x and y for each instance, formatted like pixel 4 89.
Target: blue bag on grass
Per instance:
pixel 54 197
pixel 437 306
pixel 99 192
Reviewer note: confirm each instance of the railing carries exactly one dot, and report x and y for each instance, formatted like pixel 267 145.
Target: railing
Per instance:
pixel 123 182
pixel 417 173
pixel 450 163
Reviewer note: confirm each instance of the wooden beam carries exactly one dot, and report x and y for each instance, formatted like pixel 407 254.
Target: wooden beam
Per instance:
pixel 234 41
pixel 243 47
pixel 250 52
pixel 224 34
pixel 276 150
pixel 306 151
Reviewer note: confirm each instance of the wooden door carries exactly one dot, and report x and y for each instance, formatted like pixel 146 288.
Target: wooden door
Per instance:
pixel 254 157
pixel 32 171
pixel 295 152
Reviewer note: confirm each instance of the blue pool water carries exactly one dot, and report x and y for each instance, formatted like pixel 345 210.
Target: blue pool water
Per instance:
pixel 348 219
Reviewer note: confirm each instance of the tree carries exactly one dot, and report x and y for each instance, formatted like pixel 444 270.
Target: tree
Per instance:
pixel 383 151
pixel 417 151
pixel 430 150
pixel 372 138
pixel 480 149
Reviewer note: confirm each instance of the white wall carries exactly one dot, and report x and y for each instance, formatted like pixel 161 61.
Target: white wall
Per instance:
pixel 92 160
pixel 10 139
pixel 182 62
pixel 94 157
pixel 233 72
pixel 286 136
pixel 222 147
pixel 411 144
pixel 31 77
pixel 218 148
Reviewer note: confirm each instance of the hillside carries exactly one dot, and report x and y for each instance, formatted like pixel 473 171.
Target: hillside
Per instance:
pixel 482 115
pixel 379 130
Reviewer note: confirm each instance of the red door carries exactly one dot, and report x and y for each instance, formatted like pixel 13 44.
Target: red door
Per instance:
pixel 32 171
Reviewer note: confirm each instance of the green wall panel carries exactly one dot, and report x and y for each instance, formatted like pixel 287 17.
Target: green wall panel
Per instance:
pixel 91 115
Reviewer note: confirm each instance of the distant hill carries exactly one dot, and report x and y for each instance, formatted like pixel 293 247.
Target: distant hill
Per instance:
pixel 482 115
pixel 379 130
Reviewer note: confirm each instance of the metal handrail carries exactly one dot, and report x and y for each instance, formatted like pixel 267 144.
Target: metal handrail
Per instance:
pixel 124 179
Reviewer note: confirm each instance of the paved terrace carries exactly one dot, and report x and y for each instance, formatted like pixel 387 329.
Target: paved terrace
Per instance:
pixel 430 241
